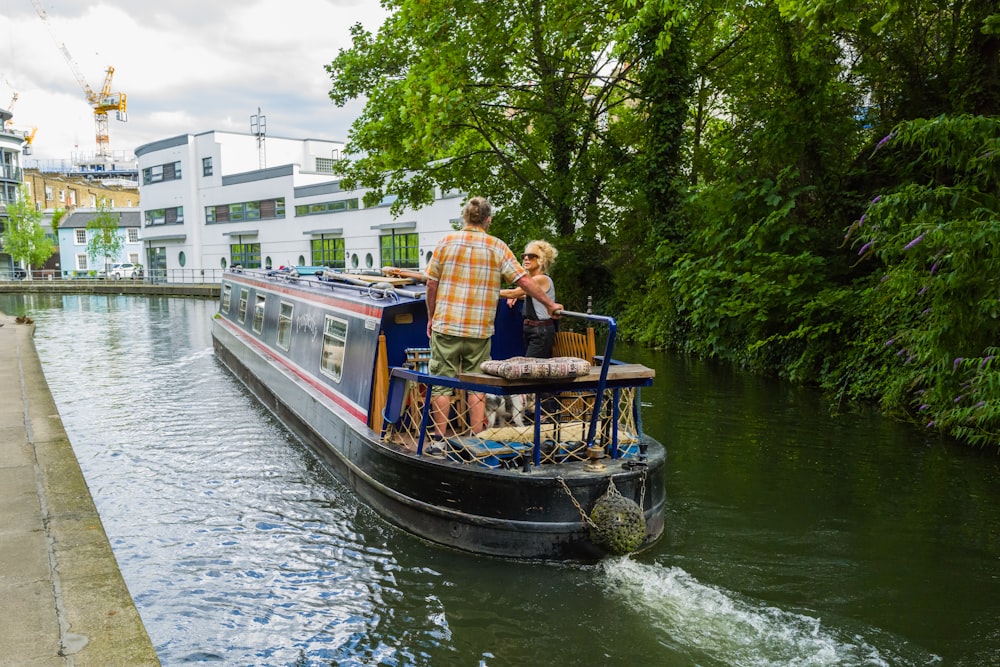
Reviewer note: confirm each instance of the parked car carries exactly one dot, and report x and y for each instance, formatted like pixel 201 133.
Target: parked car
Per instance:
pixel 19 273
pixel 122 270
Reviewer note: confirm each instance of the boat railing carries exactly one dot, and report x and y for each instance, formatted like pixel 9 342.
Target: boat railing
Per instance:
pixel 528 421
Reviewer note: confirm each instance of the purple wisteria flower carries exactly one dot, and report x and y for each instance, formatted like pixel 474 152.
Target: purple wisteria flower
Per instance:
pixel 958 360
pixel 923 407
pixel 877 199
pixel 865 248
pixel 986 361
pixel 913 242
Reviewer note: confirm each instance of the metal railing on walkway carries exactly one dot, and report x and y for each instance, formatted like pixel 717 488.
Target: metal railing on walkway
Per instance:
pixel 155 276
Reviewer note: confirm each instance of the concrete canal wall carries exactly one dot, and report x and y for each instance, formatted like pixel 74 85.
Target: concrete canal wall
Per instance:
pixel 62 596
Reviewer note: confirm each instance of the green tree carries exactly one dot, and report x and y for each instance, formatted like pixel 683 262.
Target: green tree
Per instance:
pixel 525 103
pixel 934 241
pixel 105 241
pixel 23 237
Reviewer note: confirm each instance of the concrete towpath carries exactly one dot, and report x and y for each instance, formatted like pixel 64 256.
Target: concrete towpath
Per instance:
pixel 63 601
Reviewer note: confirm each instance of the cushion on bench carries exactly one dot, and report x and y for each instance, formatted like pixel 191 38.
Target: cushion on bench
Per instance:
pixel 531 368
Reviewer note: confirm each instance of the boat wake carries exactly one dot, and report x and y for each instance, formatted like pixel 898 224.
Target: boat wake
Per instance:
pixel 718 627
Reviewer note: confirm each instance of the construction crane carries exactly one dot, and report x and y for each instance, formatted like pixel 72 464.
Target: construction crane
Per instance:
pixel 8 122
pixel 10 108
pixel 101 102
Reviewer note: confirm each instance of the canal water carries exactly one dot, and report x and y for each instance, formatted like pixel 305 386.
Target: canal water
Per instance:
pixel 796 534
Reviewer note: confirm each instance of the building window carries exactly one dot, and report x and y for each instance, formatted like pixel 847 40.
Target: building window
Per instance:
pixel 164 216
pixel 285 326
pixel 334 342
pixel 252 210
pixel 81 262
pixel 156 261
pixel 227 295
pixel 81 236
pixel 133 257
pixel 161 172
pixel 328 207
pixel 132 234
pixel 206 166
pixel 400 250
pixel 324 165
pixel 246 255
pixel 258 313
pixel 243 305
pixel 264 209
pixel 181 258
pixel 328 252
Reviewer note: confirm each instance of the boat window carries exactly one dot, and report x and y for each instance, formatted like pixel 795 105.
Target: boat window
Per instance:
pixel 258 313
pixel 243 305
pixel 285 326
pixel 334 342
pixel 227 295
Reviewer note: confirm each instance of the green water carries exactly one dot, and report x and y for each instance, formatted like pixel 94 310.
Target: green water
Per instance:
pixel 796 534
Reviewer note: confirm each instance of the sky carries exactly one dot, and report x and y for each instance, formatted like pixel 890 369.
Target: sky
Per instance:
pixel 186 67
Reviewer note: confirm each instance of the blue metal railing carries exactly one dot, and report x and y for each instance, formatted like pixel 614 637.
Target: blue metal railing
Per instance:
pixel 400 376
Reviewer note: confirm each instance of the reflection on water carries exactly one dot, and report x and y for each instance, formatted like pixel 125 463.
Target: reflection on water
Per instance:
pixel 793 537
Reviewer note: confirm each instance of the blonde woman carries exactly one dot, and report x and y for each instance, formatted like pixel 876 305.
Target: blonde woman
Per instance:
pixel 539 327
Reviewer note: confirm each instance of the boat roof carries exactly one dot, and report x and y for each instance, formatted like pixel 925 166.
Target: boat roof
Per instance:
pixel 370 289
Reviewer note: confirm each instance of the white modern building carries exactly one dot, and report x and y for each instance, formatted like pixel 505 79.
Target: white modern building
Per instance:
pixel 210 201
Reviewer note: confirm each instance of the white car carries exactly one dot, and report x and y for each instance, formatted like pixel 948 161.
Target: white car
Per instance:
pixel 124 270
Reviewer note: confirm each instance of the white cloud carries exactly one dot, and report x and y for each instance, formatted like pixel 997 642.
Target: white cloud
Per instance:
pixel 186 66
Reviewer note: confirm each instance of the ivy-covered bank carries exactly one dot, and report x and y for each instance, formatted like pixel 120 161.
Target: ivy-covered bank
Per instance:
pixel 806 188
pixel 903 312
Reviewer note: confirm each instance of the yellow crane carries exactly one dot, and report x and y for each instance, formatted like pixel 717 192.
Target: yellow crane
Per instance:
pixel 102 102
pixel 10 107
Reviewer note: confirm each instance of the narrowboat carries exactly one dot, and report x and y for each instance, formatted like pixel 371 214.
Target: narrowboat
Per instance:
pixel 560 469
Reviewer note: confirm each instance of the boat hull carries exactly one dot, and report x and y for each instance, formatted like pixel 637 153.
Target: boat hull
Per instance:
pixel 533 513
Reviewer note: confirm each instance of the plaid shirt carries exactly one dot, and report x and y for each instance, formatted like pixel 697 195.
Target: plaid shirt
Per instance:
pixel 469 265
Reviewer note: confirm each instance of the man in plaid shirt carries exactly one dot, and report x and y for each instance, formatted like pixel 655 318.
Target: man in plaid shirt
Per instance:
pixel 463 286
